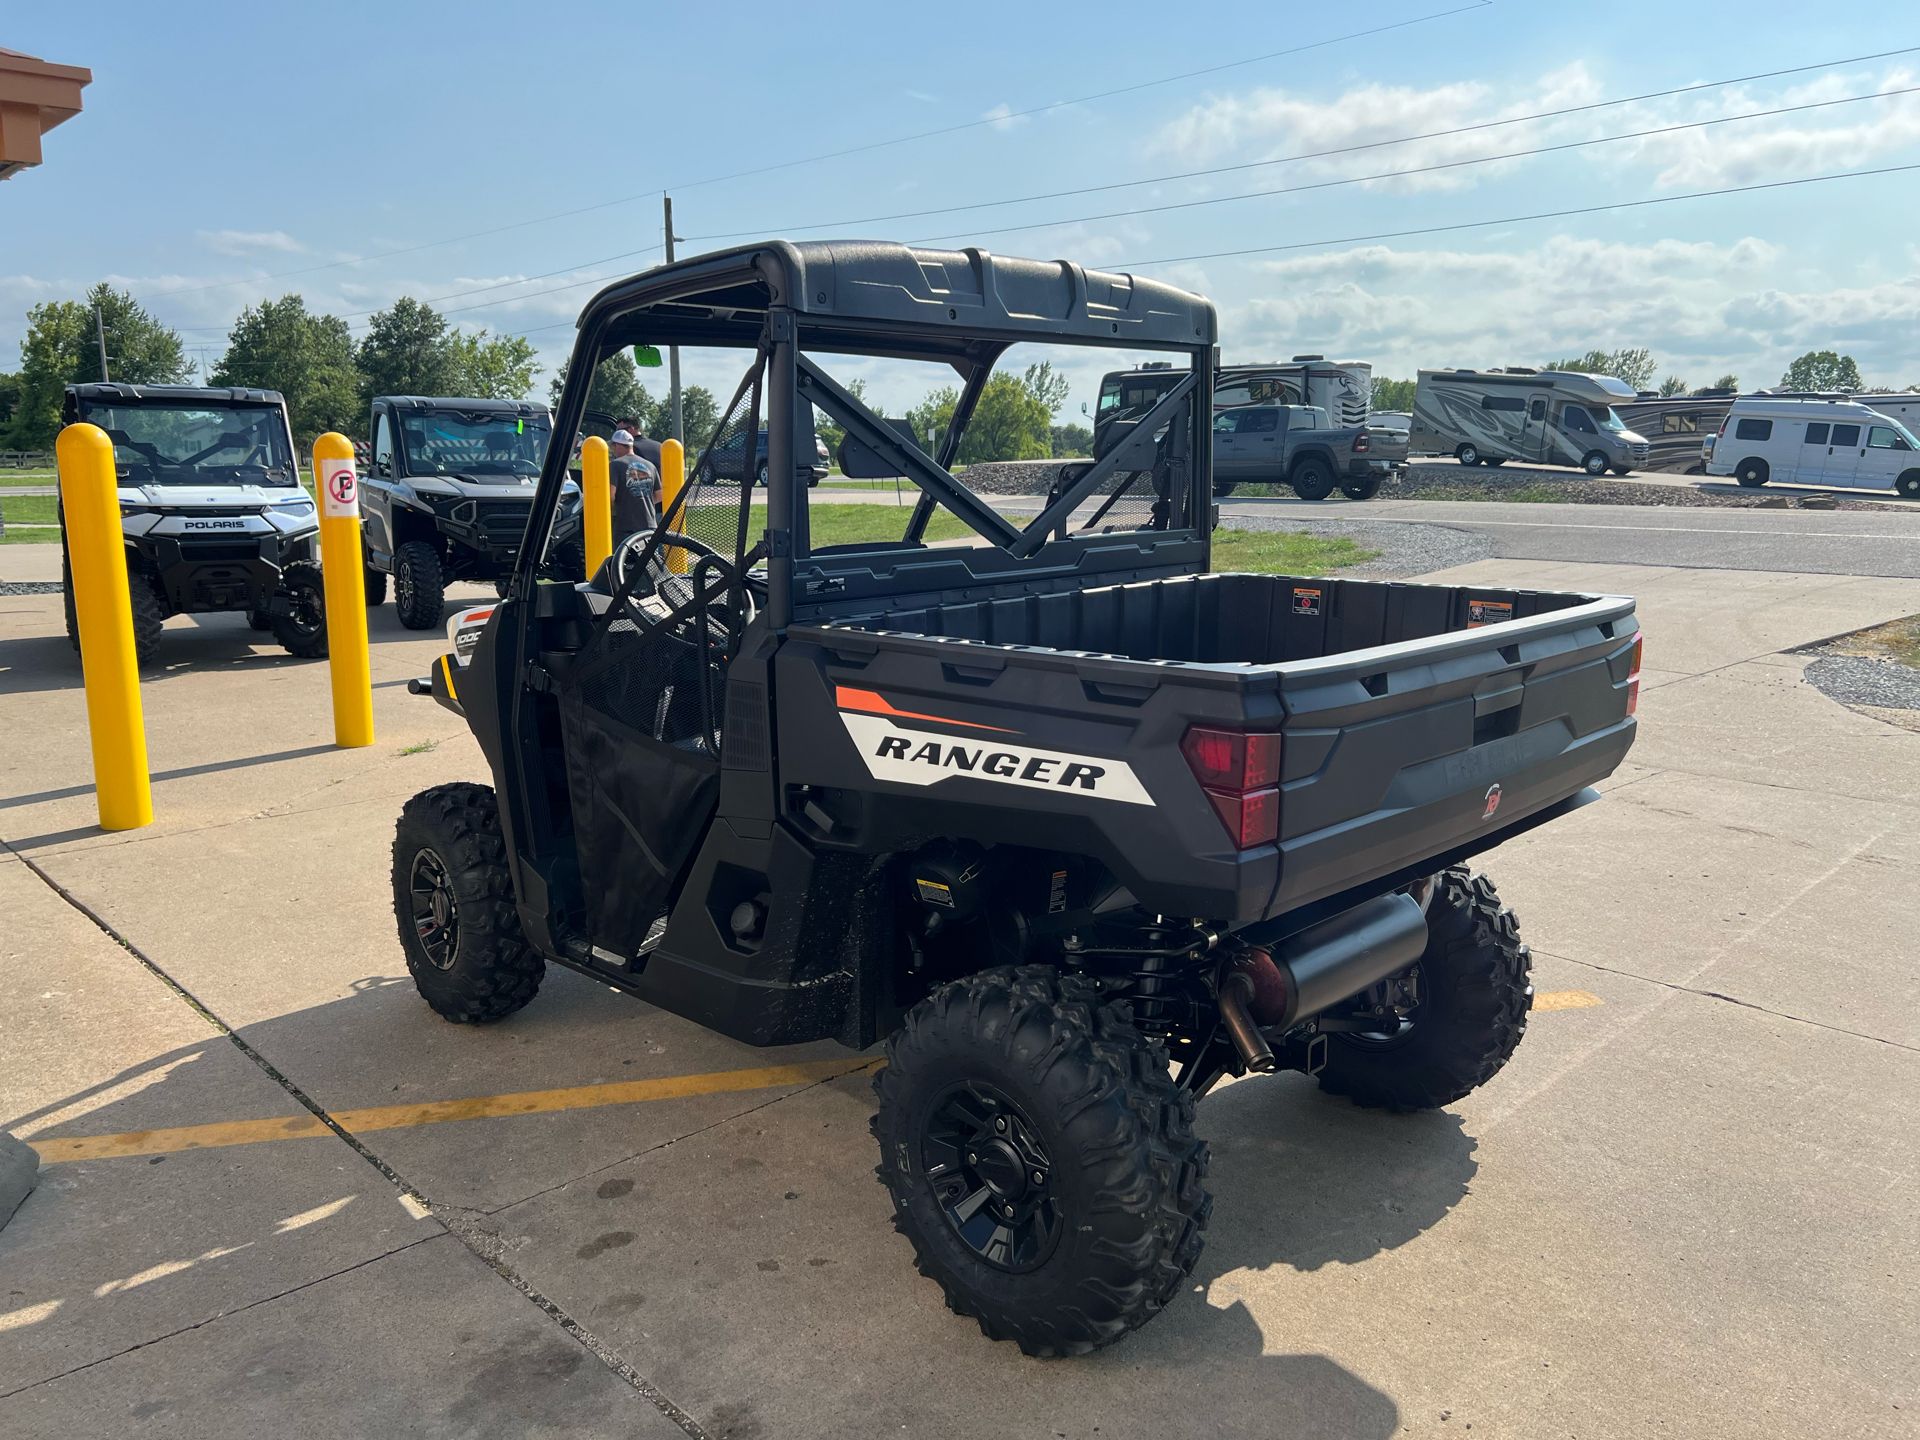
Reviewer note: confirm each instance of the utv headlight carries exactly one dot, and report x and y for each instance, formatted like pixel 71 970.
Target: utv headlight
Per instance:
pixel 298 506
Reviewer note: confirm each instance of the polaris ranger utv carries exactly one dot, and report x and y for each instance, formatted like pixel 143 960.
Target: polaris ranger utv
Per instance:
pixel 212 510
pixel 446 496
pixel 1074 826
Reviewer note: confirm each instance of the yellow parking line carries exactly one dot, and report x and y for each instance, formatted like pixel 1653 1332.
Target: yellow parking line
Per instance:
pixel 1565 1000
pixel 55 1149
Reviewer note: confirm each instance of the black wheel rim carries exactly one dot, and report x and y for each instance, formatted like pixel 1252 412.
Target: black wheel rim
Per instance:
pixel 436 914
pixel 306 609
pixel 403 587
pixel 992 1177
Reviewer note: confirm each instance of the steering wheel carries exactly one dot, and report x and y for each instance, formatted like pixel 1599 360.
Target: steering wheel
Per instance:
pixel 673 594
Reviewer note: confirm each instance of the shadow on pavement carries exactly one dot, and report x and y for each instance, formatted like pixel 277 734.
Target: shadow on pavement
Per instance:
pixel 1304 1179
pixel 212 767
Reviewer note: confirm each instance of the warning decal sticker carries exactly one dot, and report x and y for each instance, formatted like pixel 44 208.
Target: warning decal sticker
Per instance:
pixel 1488 612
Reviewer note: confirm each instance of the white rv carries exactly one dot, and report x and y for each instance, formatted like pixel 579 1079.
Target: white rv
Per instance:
pixel 1541 417
pixel 1816 442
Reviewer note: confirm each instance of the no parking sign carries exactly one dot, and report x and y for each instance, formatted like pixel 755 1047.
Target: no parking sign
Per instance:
pixel 339 489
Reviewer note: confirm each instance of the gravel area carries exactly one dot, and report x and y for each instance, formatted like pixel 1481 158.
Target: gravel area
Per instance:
pixel 29 587
pixel 1450 482
pixel 1861 680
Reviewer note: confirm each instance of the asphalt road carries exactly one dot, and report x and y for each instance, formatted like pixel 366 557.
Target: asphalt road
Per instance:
pixel 1797 542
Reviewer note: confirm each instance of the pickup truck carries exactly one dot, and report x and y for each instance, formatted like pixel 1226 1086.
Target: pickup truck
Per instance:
pixel 1294 445
pixel 1073 825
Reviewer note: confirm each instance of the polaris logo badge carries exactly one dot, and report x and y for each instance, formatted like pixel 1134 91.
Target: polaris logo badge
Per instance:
pixel 922 757
pixel 214 525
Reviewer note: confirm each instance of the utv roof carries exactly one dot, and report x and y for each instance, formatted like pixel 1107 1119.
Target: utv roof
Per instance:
pixel 848 292
pixel 113 392
pixel 454 402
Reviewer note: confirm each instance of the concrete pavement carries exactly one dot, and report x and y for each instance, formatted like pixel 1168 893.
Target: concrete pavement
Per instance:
pixel 1686 1208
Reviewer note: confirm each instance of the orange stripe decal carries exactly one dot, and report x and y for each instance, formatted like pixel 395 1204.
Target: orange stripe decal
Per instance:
pixel 872 702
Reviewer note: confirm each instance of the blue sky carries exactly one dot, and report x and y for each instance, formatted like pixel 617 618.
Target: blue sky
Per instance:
pixel 218 154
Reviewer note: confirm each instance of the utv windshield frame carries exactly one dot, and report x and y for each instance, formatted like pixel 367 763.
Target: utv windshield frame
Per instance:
pixel 795 303
pixel 281 470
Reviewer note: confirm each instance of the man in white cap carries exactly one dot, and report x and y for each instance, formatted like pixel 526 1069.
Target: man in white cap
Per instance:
pixel 636 487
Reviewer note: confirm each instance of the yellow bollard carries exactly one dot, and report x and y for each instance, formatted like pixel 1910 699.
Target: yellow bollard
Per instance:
pixel 97 557
pixel 346 590
pixel 673 479
pixel 596 502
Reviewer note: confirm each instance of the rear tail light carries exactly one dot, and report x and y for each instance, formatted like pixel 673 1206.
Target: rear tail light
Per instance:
pixel 1361 444
pixel 1240 771
pixel 1633 676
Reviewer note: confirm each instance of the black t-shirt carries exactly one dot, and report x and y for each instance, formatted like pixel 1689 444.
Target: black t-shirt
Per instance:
pixel 633 486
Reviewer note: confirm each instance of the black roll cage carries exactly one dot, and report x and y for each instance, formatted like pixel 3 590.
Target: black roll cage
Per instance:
pixel 795 301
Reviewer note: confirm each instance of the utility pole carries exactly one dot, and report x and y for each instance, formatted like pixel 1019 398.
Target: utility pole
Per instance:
pixel 673 351
pixel 100 336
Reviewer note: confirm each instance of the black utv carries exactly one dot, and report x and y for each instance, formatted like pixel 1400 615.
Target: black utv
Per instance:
pixel 211 509
pixel 446 495
pixel 1074 826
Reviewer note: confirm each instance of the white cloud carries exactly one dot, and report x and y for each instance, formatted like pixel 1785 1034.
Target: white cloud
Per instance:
pixel 1702 307
pixel 1342 135
pixel 1002 117
pixel 250 242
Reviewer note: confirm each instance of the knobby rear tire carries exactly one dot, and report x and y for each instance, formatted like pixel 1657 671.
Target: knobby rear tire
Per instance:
pixel 1475 992
pixel 1119 1134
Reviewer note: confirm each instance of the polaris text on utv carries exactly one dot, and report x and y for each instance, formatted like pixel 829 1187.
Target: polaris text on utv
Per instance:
pixel 211 508
pixel 1075 827
pixel 446 496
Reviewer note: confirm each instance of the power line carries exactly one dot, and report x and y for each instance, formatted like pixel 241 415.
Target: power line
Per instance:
pixel 828 155
pixel 1327 153
pixel 1322 184
pixel 1520 219
pixel 1431 169
pixel 1013 115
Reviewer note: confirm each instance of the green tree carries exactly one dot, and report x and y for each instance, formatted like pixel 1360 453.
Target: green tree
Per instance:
pixel 408 350
pixel 1010 422
pixel 1071 441
pixel 281 345
pixel 1727 382
pixel 9 397
pixel 829 429
pixel 1823 370
pixel 492 367
pixel 1673 385
pixel 1392 394
pixel 616 389
pixel 1047 386
pixel 60 350
pixel 1633 366
pixel 699 415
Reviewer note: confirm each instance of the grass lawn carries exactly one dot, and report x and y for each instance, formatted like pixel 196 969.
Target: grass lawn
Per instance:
pixel 1897 640
pixel 11 477
pixel 22 510
pixel 1285 552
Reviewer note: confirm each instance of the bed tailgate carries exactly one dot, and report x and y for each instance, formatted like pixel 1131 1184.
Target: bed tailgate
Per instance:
pixel 1432 746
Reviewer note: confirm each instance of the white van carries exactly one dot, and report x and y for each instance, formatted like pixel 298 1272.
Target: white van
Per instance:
pixel 1816 442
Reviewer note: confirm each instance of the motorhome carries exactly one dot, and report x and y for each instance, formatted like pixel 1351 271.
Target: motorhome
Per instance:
pixel 1816 442
pixel 1542 417
pixel 1341 388
pixel 1676 426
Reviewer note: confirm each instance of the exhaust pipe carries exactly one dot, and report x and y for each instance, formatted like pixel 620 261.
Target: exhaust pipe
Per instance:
pixel 1338 958
pixel 1277 988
